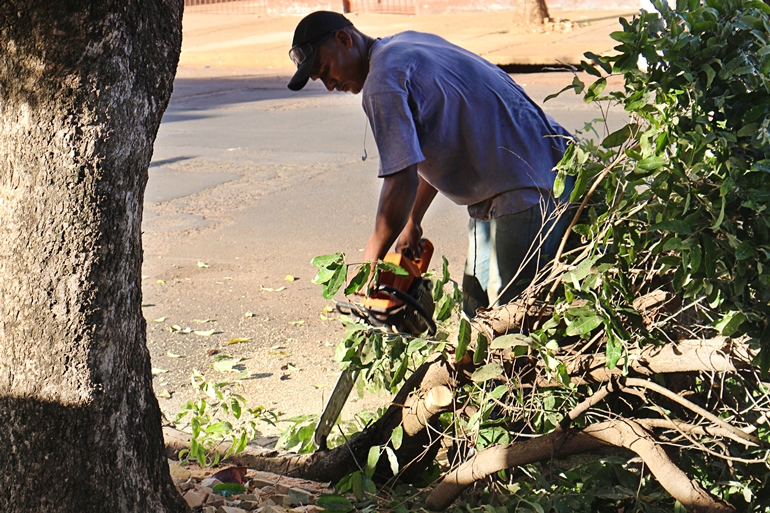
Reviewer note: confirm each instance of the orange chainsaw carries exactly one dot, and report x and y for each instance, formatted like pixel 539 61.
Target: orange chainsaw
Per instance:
pixel 402 303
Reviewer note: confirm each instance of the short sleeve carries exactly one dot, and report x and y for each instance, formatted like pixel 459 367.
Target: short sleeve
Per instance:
pixel 394 131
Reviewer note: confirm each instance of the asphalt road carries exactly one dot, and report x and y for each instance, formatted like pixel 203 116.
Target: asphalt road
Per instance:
pixel 248 182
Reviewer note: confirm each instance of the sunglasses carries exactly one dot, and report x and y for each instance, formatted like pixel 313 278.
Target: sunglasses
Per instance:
pixel 300 53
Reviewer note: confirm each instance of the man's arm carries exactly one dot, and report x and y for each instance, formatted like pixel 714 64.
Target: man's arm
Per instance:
pixel 409 240
pixel 397 200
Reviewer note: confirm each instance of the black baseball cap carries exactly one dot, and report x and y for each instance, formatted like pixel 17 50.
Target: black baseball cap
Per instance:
pixel 310 34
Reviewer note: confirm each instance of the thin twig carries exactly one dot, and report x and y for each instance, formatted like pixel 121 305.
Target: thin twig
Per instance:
pixel 642 383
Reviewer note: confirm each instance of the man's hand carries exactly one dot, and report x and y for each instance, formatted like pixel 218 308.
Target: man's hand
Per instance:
pixel 410 243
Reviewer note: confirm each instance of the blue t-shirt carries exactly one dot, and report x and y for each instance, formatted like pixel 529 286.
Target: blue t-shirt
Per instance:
pixel 473 132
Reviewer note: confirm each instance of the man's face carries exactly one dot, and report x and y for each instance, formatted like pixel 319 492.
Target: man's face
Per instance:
pixel 339 65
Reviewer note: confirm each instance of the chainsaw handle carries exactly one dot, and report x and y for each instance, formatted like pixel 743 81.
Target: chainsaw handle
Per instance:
pixel 425 256
pixel 423 261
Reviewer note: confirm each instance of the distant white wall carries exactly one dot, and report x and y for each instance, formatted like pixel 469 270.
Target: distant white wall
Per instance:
pixel 647 5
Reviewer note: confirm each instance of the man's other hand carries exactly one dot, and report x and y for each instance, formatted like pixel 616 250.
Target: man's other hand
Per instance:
pixel 410 243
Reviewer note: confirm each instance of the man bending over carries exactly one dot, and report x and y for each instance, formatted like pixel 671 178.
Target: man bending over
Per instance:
pixel 445 120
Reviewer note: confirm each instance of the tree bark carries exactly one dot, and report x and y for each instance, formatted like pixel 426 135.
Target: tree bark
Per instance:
pixel 531 12
pixel 719 354
pixel 560 443
pixel 83 86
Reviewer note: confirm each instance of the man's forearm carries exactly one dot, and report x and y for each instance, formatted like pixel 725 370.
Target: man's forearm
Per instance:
pixel 425 194
pixel 397 199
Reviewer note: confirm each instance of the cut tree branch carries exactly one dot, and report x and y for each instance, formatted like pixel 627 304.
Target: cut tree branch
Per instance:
pixel 720 354
pixel 561 443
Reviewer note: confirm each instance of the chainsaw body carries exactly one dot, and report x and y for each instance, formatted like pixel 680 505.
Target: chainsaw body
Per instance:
pixel 402 302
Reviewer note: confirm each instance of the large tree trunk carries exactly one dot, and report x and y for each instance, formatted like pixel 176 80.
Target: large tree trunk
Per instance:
pixel 530 12
pixel 83 86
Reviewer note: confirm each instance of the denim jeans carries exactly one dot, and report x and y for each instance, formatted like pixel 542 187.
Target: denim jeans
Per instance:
pixel 503 254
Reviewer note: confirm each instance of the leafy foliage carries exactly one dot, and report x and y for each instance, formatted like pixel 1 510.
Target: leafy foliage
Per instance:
pixel 332 274
pixel 218 416
pixel 682 196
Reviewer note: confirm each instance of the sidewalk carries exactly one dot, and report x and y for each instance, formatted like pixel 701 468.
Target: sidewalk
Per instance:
pixel 224 44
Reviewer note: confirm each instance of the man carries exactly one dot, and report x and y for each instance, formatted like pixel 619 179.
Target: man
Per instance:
pixel 445 120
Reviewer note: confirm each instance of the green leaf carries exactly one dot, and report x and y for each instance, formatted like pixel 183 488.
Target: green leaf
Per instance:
pixel 582 270
pixel 463 339
pixel 730 323
pixel 335 503
pixel 400 373
pixel 392 459
pixel 487 372
pixel 584 325
pixel 652 162
pixel 721 217
pixel 358 281
pixel 673 244
pixel 369 486
pixel 599 60
pixel 444 270
pixel 337 280
pixel 595 89
pixel 387 267
pixel 558 184
pixel 672 225
pixel 219 427
pixel 323 276
pixel 242 442
pixel 357 485
pixel 482 344
pixel 617 137
pixel 326 260
pixel 397 437
pixel 444 308
pixel 372 459
pixel 745 250
pixel 498 392
pixel 710 74
pixel 623 37
pixel 748 130
pixel 590 69
pixel 576 84
pixel 614 351
pixel 416 345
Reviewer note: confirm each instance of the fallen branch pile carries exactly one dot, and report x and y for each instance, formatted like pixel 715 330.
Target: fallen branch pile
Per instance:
pixel 433 388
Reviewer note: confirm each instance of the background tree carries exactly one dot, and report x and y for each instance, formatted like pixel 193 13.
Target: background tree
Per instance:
pixel 83 86
pixel 530 12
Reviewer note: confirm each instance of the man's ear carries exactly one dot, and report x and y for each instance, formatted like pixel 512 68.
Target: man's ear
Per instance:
pixel 344 38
